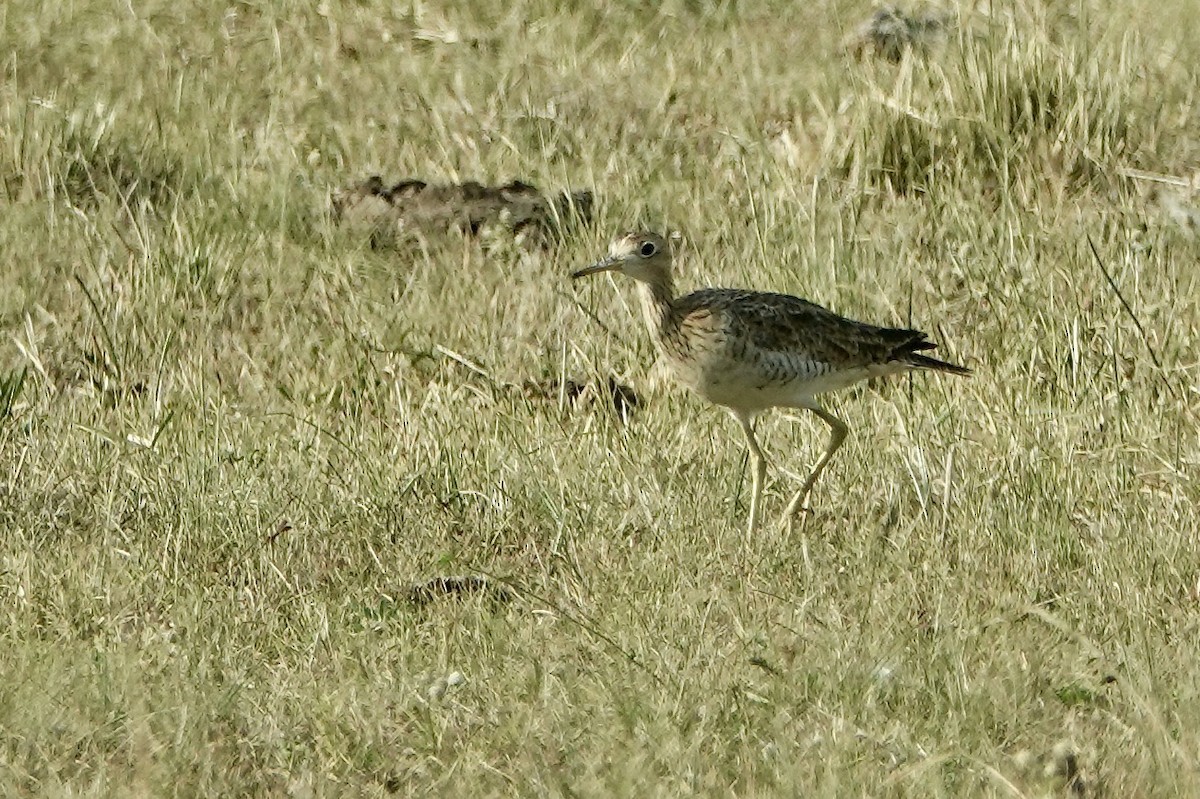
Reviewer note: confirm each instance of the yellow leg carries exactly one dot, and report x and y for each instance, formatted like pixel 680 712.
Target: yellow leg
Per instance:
pixel 760 471
pixel 837 434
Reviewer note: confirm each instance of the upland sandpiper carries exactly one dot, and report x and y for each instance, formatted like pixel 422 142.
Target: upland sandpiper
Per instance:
pixel 749 351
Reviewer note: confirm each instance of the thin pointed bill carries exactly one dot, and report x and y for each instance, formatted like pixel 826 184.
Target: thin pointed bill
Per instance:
pixel 606 265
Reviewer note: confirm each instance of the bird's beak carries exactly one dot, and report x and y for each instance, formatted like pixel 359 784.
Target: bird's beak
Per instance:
pixel 609 264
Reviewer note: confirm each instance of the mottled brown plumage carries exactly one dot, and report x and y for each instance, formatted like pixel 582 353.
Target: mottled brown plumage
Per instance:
pixel 750 350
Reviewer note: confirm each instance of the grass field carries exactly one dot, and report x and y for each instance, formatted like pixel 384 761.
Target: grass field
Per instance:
pixel 231 436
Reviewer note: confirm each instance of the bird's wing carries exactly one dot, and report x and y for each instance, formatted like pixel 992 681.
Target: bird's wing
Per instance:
pixel 780 325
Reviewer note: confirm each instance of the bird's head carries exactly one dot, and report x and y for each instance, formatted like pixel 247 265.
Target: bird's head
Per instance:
pixel 642 256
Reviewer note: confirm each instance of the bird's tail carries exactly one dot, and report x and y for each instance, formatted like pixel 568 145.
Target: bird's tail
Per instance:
pixel 925 362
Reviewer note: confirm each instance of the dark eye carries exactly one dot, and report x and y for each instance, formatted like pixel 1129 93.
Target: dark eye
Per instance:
pixel 648 249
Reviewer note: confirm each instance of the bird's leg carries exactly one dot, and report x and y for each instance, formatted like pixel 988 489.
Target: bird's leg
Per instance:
pixel 760 471
pixel 837 434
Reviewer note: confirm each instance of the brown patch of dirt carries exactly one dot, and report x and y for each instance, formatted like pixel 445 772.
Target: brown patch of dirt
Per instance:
pixel 414 205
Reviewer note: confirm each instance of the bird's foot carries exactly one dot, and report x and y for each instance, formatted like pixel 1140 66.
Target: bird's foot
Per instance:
pixel 798 507
pixel 802 512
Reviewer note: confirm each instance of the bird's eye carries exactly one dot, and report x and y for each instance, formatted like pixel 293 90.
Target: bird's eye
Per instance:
pixel 648 249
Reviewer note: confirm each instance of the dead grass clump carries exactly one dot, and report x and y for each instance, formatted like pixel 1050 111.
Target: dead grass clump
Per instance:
pixel 10 389
pixel 1008 107
pixel 87 158
pixel 1061 113
pixel 892 32
pixel 117 168
pixel 899 153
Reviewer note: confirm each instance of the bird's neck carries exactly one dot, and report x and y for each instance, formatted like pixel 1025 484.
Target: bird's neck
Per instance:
pixel 657 298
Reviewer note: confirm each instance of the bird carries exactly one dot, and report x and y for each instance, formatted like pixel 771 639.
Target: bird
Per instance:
pixel 751 351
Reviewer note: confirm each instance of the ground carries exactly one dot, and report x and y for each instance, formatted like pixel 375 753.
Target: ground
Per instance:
pixel 234 434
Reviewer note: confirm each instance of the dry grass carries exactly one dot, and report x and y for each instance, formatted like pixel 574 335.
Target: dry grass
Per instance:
pixel 232 438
